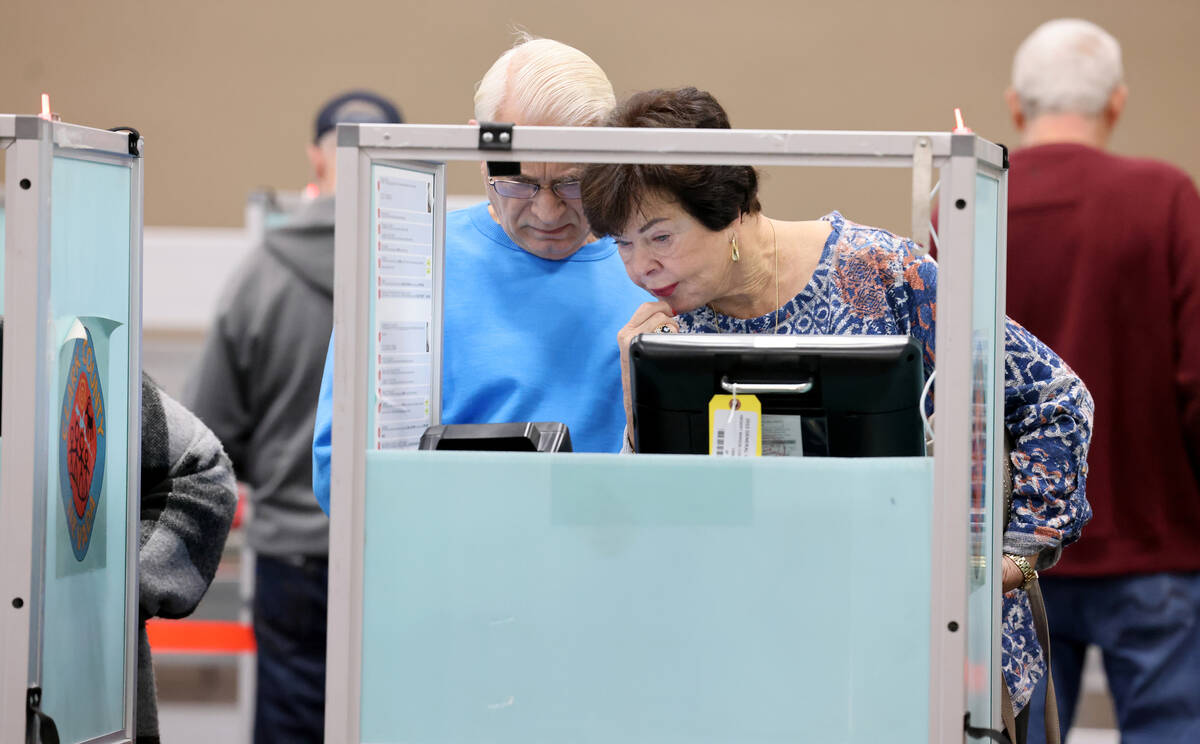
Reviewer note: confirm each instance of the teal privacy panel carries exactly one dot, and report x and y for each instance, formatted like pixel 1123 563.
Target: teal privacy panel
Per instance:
pixel 2 228
pixel 603 598
pixel 272 220
pixel 980 594
pixel 83 667
pixel 2 255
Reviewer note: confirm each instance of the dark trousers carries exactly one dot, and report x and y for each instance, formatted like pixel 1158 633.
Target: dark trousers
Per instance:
pixel 1148 630
pixel 290 600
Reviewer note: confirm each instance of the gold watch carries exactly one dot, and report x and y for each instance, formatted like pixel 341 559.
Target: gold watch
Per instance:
pixel 1026 569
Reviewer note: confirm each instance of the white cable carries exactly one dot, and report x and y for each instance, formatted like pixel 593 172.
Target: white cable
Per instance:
pixel 925 418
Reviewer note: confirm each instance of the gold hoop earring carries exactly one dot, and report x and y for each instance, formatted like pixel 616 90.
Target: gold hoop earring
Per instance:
pixel 734 254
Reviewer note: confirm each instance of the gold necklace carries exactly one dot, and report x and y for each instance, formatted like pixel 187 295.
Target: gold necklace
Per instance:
pixel 775 242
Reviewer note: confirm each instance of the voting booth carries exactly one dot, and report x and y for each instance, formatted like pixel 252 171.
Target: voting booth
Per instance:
pixel 69 429
pixel 527 597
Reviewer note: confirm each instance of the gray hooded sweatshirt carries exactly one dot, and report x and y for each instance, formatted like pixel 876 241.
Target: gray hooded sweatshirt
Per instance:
pixel 259 377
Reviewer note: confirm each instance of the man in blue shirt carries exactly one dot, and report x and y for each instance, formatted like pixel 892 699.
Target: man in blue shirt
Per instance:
pixel 533 301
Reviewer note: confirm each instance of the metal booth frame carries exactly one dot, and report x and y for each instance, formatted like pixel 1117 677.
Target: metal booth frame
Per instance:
pixel 959 159
pixel 31 144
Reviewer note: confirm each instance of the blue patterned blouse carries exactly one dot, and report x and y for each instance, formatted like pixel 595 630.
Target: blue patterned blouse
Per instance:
pixel 869 282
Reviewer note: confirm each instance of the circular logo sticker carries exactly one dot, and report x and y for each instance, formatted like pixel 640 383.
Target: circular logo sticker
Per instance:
pixel 81 444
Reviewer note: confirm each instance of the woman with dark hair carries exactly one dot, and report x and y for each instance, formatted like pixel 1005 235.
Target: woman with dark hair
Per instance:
pixel 696 237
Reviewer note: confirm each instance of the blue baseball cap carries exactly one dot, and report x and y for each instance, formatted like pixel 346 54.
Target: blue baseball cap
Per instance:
pixel 356 107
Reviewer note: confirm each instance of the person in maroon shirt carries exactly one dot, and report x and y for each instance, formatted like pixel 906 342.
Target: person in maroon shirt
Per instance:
pixel 1104 266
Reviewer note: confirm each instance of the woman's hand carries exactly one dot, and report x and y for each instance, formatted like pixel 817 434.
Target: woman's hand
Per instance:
pixel 1011 576
pixel 649 318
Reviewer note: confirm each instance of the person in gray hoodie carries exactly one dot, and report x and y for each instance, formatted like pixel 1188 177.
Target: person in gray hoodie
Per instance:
pixel 256 387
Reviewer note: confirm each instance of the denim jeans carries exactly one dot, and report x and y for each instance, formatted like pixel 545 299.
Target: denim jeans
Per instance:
pixel 1148 629
pixel 290 601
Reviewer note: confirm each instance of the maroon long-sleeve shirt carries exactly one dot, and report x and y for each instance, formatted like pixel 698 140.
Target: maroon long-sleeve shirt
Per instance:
pixel 1104 267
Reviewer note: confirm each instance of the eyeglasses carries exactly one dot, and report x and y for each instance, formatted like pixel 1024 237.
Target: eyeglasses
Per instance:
pixel 571 189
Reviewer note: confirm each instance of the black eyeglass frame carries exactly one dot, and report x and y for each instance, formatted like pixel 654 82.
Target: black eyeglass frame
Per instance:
pixel 556 187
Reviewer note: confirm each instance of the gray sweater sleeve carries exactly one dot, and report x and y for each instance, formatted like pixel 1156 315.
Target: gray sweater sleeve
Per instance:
pixel 188 500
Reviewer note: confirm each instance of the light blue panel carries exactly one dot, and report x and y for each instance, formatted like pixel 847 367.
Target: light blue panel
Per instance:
pixel 2 264
pixel 606 598
pixel 987 194
pixel 272 219
pixel 984 323
pixel 2 228
pixel 83 668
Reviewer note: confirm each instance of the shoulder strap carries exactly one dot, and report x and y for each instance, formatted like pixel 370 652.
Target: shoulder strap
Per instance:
pixel 1042 627
pixel 1006 711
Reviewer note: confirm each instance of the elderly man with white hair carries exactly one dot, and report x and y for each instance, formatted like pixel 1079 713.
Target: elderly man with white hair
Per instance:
pixel 1104 266
pixel 533 300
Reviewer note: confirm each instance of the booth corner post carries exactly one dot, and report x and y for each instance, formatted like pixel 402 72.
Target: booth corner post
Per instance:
pixel 344 644
pixel 360 154
pixel 972 212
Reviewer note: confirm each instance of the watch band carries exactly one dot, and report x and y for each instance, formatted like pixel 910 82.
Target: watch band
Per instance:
pixel 1026 570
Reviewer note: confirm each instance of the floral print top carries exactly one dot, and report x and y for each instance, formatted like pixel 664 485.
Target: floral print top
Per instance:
pixel 869 282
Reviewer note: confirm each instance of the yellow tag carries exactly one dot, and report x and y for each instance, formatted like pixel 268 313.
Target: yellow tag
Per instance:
pixel 735 426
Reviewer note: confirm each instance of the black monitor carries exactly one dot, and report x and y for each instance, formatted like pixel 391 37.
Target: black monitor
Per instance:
pixel 835 396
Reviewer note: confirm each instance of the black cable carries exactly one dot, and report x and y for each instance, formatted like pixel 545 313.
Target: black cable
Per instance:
pixel 980 732
pixel 135 139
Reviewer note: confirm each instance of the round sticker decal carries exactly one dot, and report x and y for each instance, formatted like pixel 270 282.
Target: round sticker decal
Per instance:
pixel 81 444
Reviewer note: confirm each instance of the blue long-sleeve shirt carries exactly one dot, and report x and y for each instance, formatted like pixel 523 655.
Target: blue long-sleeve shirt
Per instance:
pixel 524 339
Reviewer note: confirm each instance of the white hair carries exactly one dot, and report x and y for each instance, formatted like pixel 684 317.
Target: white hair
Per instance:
pixel 1066 66
pixel 542 81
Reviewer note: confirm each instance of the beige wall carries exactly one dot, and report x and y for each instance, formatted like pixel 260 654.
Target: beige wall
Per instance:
pixel 225 91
